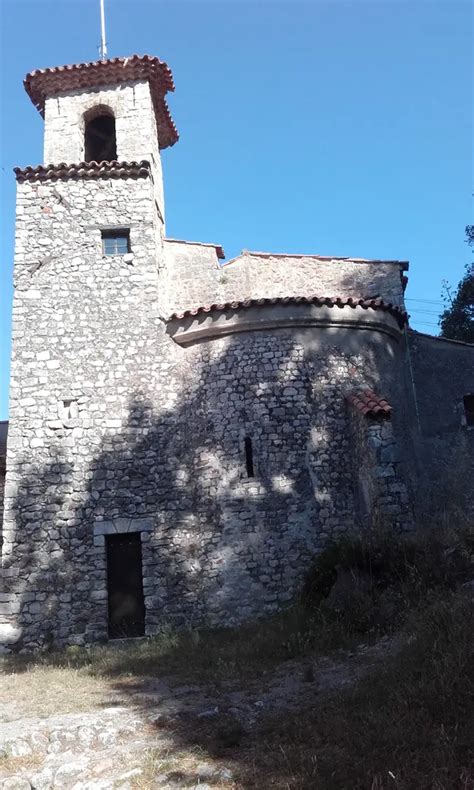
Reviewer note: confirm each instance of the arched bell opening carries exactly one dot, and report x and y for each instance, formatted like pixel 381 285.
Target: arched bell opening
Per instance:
pixel 100 141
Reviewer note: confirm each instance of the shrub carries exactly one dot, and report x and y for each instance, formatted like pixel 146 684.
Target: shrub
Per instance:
pixel 370 581
pixel 408 724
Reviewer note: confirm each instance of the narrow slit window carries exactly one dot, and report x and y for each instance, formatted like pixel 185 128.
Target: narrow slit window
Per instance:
pixel 468 401
pixel 249 456
pixel 115 242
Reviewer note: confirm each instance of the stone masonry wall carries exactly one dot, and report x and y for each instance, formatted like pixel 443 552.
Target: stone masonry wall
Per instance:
pixel 116 428
pixel 136 130
pixel 198 279
pixel 3 453
pixel 442 372
pixel 384 500
pixel 154 442
pixel 2 494
pixel 220 547
pixel 81 321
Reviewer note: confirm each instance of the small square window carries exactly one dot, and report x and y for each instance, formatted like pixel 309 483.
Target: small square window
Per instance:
pixel 115 242
pixel 469 409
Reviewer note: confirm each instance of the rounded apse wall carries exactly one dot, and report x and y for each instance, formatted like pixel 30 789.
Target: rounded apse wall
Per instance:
pixel 273 476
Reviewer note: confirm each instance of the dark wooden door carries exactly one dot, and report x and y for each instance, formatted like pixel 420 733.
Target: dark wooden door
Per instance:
pixel 125 586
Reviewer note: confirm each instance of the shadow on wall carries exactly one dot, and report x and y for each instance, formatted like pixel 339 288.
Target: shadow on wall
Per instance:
pixel 219 546
pixel 223 546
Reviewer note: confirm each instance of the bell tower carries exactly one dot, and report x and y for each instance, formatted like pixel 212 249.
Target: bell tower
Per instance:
pixel 107 111
pixel 89 338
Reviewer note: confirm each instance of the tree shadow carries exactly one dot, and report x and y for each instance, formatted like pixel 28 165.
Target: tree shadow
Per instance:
pixel 225 546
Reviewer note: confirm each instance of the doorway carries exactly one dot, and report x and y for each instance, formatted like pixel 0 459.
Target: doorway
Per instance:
pixel 125 586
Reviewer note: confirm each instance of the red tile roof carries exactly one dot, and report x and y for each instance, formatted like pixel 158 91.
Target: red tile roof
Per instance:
pixel 43 83
pixel 370 404
pixel 329 301
pixel 83 170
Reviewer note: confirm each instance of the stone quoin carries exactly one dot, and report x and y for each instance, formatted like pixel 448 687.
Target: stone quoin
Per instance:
pixel 185 434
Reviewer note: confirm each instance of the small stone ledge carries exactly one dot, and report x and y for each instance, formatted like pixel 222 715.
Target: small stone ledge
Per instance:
pixel 119 526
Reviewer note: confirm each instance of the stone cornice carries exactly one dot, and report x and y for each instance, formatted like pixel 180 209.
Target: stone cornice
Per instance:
pixel 293 312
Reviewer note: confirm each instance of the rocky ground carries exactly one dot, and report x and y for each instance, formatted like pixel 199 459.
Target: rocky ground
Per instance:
pixel 131 732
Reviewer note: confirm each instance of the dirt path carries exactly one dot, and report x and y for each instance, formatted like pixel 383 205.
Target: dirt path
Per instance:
pixel 129 733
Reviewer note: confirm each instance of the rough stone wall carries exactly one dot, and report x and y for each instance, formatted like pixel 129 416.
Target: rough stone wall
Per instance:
pixel 219 547
pixel 154 442
pixel 81 321
pixel 442 372
pixel 265 529
pixel 2 495
pixel 199 280
pixel 194 273
pixel 116 428
pixel 135 122
pixel 3 454
pixel 384 500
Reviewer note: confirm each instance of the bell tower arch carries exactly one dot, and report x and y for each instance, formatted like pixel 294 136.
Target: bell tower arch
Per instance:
pixel 100 138
pixel 107 110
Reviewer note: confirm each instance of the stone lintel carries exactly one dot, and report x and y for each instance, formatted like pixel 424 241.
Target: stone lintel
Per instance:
pixel 120 526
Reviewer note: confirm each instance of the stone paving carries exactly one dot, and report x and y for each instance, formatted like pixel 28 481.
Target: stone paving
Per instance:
pixel 111 747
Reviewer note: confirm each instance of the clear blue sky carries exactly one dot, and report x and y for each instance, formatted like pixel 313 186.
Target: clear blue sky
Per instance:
pixel 328 127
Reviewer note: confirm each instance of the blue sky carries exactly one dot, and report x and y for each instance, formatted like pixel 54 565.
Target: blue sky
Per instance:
pixel 339 128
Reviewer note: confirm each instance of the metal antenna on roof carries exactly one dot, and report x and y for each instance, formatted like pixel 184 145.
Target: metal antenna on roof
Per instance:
pixel 103 43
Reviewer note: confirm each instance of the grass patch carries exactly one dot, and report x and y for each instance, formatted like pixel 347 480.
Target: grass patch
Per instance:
pixel 46 690
pixel 407 725
pixel 203 654
pixel 359 587
pixel 13 765
pixel 181 768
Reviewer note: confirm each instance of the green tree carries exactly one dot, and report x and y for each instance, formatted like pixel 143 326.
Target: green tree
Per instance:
pixel 457 319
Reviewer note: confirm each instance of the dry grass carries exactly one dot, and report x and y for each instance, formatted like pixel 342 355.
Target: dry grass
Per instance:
pixel 182 767
pixel 387 575
pixel 407 726
pixel 199 655
pixel 45 691
pixel 12 765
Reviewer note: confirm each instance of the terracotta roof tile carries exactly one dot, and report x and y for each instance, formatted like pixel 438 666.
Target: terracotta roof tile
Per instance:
pixel 370 404
pixel 329 301
pixel 42 83
pixel 83 170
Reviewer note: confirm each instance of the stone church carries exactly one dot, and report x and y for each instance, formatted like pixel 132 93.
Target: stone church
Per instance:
pixel 186 433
